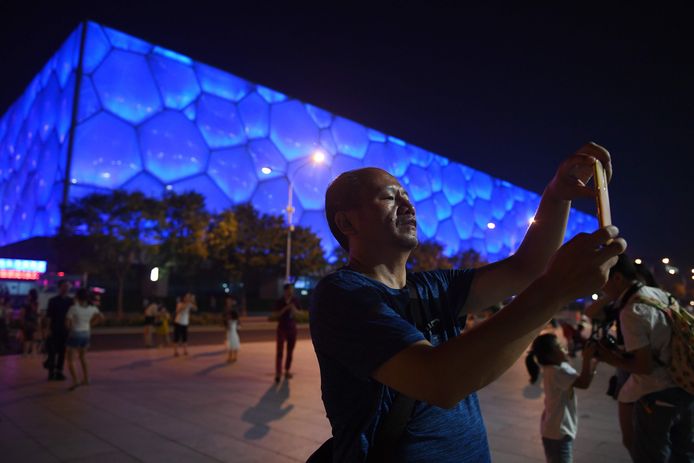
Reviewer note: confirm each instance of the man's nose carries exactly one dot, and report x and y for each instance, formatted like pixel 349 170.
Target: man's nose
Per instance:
pixel 406 203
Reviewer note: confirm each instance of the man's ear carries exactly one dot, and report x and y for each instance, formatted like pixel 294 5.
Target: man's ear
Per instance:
pixel 344 223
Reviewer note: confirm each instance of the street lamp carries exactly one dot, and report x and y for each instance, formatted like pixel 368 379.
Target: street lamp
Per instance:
pixel 318 157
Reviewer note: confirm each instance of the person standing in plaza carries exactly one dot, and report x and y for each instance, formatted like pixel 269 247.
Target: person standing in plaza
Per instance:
pixel 657 413
pixel 30 322
pixel 181 322
pixel 56 335
pixel 5 311
pixel 163 320
pixel 80 319
pixel 150 319
pixel 285 311
pixel 231 323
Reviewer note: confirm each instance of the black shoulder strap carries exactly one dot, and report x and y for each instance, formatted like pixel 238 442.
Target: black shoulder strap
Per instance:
pixel 395 422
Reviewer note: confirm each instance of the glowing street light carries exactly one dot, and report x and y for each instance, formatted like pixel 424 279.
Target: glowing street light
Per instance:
pixel 594 297
pixel 154 274
pixel 671 271
pixel 638 261
pixel 665 260
pixel 318 157
pixel 491 225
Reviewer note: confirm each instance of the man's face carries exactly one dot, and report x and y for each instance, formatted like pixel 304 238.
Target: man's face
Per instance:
pixel 386 214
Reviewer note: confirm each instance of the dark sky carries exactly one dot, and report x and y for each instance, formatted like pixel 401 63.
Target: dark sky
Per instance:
pixel 510 91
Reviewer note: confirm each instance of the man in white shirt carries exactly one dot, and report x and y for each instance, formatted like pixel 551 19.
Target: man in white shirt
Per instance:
pixel 662 414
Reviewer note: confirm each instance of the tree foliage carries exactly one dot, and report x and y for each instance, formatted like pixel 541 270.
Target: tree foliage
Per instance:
pixel 119 226
pixel 182 232
pixel 429 255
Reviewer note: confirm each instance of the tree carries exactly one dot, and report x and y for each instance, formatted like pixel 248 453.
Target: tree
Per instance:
pixel 428 255
pixel 258 249
pixel 467 259
pixel 182 233
pixel 307 253
pixel 118 227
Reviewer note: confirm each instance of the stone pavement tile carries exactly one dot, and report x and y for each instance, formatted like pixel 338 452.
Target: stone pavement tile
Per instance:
pixel 26 450
pixel 229 449
pixel 9 432
pixel 591 457
pixel 513 445
pixel 112 457
pixel 602 448
pixel 503 457
pixel 147 406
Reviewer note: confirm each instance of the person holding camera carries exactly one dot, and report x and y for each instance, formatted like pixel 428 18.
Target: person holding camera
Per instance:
pixel 184 307
pixel 658 413
pixel 371 355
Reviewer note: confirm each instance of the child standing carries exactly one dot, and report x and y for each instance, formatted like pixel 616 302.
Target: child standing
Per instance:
pixel 163 326
pixel 559 419
pixel 231 322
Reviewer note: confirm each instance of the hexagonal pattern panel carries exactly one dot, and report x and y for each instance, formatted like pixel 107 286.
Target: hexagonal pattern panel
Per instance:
pixel 293 130
pixel 147 118
pixel 172 147
pixel 126 86
pixel 106 152
pixel 177 82
pixel 219 122
pixel 234 172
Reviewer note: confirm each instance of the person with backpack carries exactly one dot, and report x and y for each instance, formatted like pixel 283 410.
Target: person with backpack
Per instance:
pixel 657 401
pixel 398 379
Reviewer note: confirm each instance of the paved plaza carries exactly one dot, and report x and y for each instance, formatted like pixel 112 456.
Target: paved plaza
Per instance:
pixel 146 405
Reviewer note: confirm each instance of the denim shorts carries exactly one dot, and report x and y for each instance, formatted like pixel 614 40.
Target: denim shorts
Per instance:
pixel 78 339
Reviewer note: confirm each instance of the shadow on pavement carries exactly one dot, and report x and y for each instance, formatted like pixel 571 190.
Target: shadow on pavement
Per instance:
pixel 212 368
pixel 270 408
pixel 209 354
pixel 144 363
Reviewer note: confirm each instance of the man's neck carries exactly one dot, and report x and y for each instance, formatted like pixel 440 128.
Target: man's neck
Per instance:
pixel 391 273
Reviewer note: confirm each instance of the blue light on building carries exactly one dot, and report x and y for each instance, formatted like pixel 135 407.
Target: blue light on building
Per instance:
pixel 147 118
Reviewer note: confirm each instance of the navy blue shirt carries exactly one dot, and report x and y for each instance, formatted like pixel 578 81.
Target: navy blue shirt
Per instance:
pixel 356 326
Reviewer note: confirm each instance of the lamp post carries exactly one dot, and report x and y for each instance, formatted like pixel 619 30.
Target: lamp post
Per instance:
pixel 318 157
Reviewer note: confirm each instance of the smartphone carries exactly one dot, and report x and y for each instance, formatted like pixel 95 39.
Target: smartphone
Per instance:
pixel 602 197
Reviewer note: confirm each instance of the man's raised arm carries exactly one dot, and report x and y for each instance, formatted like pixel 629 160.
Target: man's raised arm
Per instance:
pixel 495 282
pixel 446 374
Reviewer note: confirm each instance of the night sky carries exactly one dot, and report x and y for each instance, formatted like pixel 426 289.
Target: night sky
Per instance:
pixel 510 91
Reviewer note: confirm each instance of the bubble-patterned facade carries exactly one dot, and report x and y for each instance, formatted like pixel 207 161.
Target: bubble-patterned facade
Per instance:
pixel 149 119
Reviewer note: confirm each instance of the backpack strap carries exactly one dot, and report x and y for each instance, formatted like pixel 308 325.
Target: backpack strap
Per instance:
pixel 394 423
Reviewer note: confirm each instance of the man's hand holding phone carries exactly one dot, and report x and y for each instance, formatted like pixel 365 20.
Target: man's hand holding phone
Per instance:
pixel 602 196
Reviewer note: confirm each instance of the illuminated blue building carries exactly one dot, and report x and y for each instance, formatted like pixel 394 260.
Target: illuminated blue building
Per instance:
pixel 111 111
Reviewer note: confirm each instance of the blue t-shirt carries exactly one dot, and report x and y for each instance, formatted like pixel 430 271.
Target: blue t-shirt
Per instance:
pixel 356 326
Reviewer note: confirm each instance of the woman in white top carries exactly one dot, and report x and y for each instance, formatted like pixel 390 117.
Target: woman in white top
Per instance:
pixel 79 319
pixel 559 418
pixel 181 322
